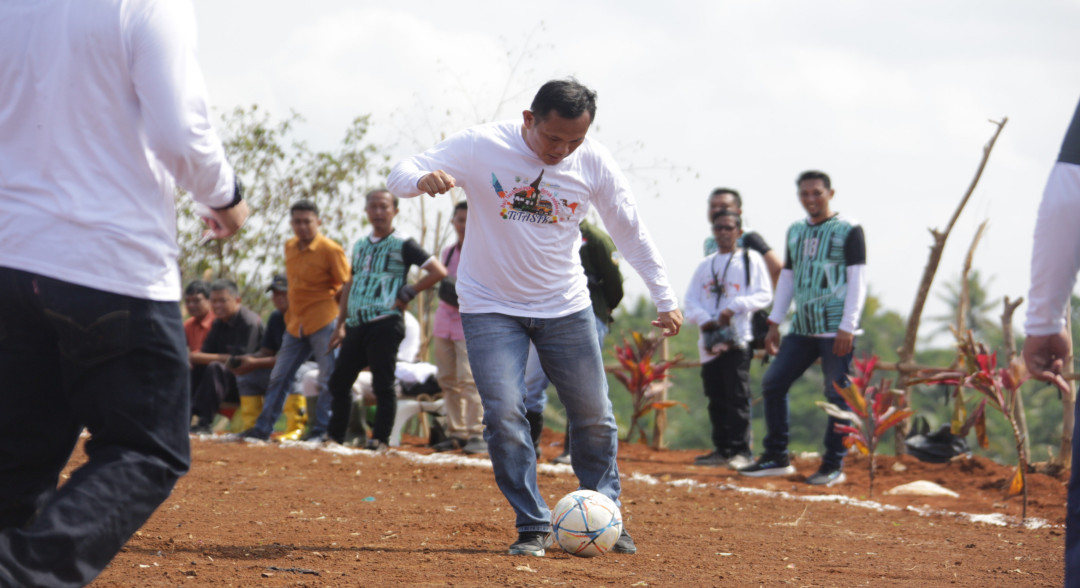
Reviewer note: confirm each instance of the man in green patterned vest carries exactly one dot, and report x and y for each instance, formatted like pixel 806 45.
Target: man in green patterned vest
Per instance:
pixel 825 274
pixel 369 325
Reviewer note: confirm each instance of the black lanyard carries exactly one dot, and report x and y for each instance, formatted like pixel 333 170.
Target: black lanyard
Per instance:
pixel 718 285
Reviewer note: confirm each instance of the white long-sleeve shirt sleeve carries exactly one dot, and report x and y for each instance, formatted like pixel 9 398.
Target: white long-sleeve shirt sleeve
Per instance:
pixel 172 101
pixel 700 308
pixel 785 291
pixel 1055 255
pixel 854 299
pixel 615 203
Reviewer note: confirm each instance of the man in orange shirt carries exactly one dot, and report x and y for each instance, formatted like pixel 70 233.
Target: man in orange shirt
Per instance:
pixel 316 268
pixel 197 303
pixel 197 326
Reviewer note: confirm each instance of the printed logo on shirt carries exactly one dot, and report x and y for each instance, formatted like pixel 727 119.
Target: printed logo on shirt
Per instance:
pixel 532 203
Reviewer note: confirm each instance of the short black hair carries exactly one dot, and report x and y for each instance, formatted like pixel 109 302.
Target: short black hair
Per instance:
pixel 304 206
pixel 732 214
pixel 568 98
pixel 734 193
pixel 815 175
pixel 227 285
pixel 197 287
pixel 367 197
pixel 461 205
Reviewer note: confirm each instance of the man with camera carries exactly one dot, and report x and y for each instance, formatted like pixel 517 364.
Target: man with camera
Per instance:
pixel 236 331
pixel 727 287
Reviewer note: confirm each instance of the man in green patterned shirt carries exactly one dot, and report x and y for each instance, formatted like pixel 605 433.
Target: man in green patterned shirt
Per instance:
pixel 825 274
pixel 370 326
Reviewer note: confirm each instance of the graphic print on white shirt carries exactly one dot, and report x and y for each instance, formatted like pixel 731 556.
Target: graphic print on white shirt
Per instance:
pixel 533 203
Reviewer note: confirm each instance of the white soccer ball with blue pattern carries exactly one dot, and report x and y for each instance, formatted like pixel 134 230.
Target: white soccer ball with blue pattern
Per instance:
pixel 586 523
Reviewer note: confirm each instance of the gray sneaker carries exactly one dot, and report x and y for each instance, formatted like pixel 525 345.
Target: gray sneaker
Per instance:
pixel 625 544
pixel 532 543
pixel 827 476
pixel 563 459
pixel 475 446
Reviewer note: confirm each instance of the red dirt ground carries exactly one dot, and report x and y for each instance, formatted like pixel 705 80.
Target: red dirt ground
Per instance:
pixel 270 515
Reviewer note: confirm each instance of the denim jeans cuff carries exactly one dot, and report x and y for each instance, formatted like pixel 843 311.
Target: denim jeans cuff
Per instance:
pixel 534 528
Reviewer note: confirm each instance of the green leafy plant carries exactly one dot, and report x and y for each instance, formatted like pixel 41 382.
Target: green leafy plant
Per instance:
pixel 874 410
pixel 645 379
pixel 1000 388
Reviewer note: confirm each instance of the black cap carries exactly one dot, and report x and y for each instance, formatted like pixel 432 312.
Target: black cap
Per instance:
pixel 279 283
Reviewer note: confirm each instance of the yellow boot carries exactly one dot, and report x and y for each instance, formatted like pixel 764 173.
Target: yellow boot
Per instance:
pixel 295 417
pixel 250 407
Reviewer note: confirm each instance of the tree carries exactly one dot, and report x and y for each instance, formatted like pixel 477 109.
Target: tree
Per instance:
pixel 278 169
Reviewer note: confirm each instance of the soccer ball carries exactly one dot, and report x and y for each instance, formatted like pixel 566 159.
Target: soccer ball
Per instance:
pixel 586 523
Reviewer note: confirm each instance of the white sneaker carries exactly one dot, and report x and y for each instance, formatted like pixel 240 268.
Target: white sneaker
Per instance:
pixel 739 462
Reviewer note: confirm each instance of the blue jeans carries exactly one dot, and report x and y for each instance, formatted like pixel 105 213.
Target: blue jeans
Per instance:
pixel 293 353
pixel 536 381
pixel 797 353
pixel 498 347
pixel 74 357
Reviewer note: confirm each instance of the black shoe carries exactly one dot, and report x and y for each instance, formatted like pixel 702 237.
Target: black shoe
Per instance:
pixel 377 446
pixel 253 435
pixel 769 465
pixel 532 543
pixel 449 444
pixel 711 459
pixel 201 429
pixel 313 436
pixel 625 544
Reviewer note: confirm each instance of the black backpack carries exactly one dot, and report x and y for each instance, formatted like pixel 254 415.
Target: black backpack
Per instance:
pixel 759 319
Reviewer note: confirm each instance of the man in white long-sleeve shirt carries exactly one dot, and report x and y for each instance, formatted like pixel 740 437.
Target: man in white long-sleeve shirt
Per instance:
pixel 1055 259
pixel 520 279
pixel 727 287
pixel 825 274
pixel 102 106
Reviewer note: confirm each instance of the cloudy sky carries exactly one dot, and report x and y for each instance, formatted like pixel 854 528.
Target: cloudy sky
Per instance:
pixel 891 99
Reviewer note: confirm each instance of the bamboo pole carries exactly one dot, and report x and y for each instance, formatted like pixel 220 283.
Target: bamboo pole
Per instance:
pixel 660 418
pixel 1010 354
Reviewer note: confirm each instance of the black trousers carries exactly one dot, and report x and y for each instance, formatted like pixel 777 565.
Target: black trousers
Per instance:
pixel 371 345
pixel 727 386
pixel 217 385
pixel 70 357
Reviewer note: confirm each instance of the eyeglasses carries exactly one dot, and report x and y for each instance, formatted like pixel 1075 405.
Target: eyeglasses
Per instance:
pixel 724 228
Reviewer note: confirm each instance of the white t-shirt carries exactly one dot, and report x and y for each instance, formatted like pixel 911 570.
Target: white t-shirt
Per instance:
pixel 521 256
pixel 704 302
pixel 102 104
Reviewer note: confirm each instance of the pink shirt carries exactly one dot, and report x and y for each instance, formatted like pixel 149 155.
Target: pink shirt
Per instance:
pixel 448 318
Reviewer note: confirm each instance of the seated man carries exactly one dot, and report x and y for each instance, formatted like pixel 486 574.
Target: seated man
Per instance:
pixel 197 325
pixel 253 371
pixel 236 331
